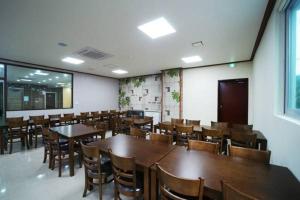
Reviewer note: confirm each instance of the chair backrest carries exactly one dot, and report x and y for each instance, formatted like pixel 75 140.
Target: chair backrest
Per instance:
pixel 54 116
pixel 232 193
pixel 102 127
pixel 250 154
pixel 84 114
pixel 187 129
pixel 166 128
pixel 244 139
pixel 242 127
pixel 14 122
pixel 69 115
pixel 95 114
pixel 124 171
pixel 137 133
pixel 215 133
pixel 112 111
pixel 91 159
pixel 172 187
pixel 38 120
pixel 219 125
pixel 203 146
pixel 159 138
pixel 192 122
pixel 177 121
pixel 104 112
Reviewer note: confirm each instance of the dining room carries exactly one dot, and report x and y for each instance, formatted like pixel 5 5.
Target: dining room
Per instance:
pixel 150 99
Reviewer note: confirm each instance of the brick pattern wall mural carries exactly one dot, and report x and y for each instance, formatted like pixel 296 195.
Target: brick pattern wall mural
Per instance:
pixel 141 93
pixel 171 80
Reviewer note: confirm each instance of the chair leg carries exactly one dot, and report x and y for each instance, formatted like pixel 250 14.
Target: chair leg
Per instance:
pixel 100 188
pixel 85 184
pixel 59 164
pixel 35 145
pixel 45 155
pixel 11 146
pixel 26 141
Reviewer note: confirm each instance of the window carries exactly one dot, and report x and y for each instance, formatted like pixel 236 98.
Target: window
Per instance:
pixel 293 59
pixel 37 89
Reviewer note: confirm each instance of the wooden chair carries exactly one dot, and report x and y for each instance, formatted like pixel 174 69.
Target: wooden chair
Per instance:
pixel 49 140
pixel 83 118
pixel 219 125
pixel 102 127
pixel 95 168
pixel 67 119
pixel 166 129
pixel 175 188
pixel 104 115
pixel 192 122
pixel 60 152
pixel 203 146
pixel 159 138
pixel 126 178
pixel 232 193
pixel 137 132
pixel 250 154
pixel 17 130
pixel 54 120
pixel 95 116
pixel 214 136
pixel 242 139
pixel 112 111
pixel 183 134
pixel 36 127
pixel 176 121
pixel 242 127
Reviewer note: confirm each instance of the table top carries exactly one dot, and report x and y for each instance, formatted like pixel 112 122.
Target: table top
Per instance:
pixel 75 130
pixel 256 179
pixel 199 129
pixel 139 121
pixel 146 152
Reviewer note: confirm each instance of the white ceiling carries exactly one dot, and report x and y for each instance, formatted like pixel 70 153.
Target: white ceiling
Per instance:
pixel 31 29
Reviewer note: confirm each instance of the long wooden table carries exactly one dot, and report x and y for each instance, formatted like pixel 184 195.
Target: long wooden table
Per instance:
pixel 260 138
pixel 256 179
pixel 145 152
pixel 74 132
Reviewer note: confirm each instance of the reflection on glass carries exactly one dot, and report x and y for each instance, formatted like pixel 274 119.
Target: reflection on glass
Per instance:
pixel 1 70
pixel 297 70
pixel 35 89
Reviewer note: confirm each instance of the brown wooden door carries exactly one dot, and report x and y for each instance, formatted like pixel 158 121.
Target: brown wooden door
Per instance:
pixel 50 100
pixel 233 101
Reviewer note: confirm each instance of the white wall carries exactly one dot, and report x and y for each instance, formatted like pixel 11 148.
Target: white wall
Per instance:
pixel 283 134
pixel 200 90
pixel 91 93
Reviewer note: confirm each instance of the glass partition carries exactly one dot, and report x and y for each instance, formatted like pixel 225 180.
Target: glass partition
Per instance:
pixel 38 89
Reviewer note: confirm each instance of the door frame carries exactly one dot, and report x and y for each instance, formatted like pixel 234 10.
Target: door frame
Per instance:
pixel 219 96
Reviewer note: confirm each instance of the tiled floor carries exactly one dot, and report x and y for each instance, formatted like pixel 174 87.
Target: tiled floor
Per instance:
pixel 24 176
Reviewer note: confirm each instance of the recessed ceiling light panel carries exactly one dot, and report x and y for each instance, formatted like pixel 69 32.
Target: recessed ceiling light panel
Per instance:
pixel 120 71
pixel 157 28
pixel 191 59
pixel 71 60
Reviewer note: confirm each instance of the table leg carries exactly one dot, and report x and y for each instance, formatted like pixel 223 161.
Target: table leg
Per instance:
pixel 71 156
pixel 153 188
pixel 152 126
pixel 146 183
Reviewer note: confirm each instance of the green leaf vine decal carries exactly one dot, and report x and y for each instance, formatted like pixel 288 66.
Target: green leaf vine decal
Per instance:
pixel 173 73
pixel 137 81
pixel 123 100
pixel 176 96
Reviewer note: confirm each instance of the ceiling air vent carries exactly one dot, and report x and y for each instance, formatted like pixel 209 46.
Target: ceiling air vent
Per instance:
pixel 92 53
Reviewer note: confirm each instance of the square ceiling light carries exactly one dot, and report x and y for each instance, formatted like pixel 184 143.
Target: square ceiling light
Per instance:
pixel 157 28
pixel 71 60
pixel 191 59
pixel 120 71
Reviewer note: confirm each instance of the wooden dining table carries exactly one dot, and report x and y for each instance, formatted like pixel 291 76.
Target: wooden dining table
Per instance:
pixel 140 121
pixel 261 141
pixel 72 133
pixel 253 178
pixel 146 153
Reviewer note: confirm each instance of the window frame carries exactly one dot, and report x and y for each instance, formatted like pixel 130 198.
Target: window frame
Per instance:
pixel 36 68
pixel 292 112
